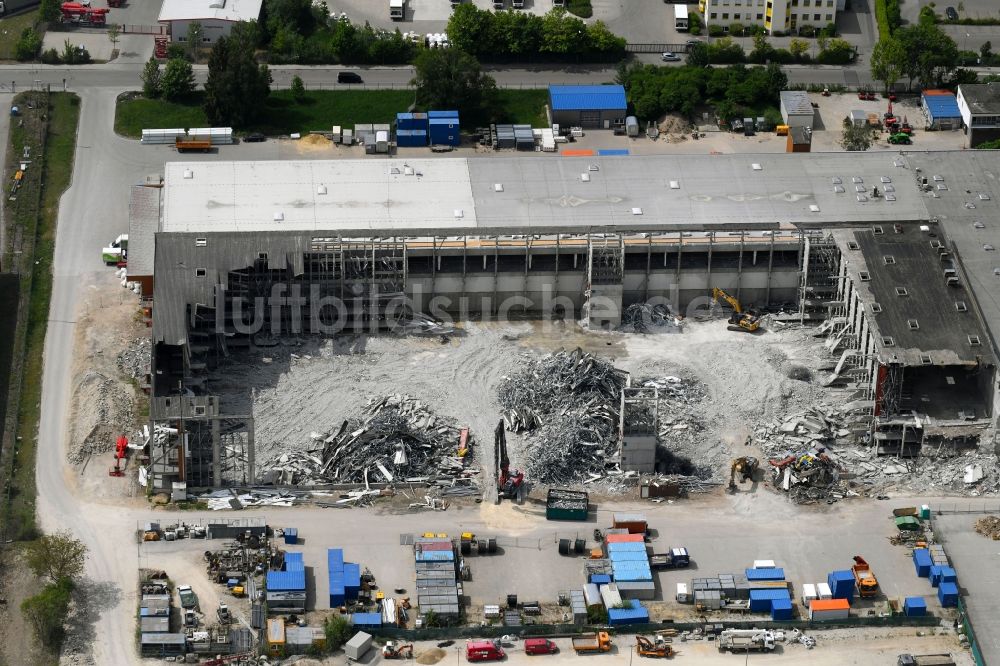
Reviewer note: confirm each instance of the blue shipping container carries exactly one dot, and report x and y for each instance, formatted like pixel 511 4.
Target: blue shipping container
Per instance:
pixel 293 562
pixel 626 556
pixel 435 556
pixel 366 619
pixel 630 547
pixel 335 559
pixel 775 573
pixel 914 606
pixel 922 562
pixel 634 615
pixel 286 581
pixel 442 114
pixel 600 579
pixel 352 574
pixel 935 575
pixel 337 599
pixel 413 138
pixel 760 600
pixel 291 536
pixel 948 575
pixel 948 594
pixel 781 610
pixel 841 584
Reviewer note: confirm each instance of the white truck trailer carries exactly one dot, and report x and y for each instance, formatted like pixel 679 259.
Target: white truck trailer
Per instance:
pixel 397 10
pixel 746 640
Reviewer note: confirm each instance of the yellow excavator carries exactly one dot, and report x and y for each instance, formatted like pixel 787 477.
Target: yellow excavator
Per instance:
pixel 744 468
pixel 746 320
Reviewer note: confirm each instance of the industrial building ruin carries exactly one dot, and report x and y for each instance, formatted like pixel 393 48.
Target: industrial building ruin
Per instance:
pixel 244 253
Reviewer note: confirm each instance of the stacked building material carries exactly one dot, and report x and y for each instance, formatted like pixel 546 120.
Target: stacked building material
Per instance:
pixel 437 584
pixel 578 607
pixel 629 562
pixel 635 614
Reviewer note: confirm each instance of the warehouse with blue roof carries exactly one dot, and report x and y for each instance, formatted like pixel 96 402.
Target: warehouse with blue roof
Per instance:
pixel 941 109
pixel 588 106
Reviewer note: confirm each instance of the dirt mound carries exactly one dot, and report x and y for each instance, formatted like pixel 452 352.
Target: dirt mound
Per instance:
pixel 674 128
pixel 989 527
pixel 431 656
pixel 311 142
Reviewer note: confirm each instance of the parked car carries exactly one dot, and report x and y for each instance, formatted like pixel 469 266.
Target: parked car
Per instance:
pixel 951 14
pixel 670 57
pixel 349 77
pixel 255 137
pixel 539 646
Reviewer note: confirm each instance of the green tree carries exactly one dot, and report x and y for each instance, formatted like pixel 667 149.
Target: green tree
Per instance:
pixel 46 612
pixel 56 556
pixel 338 631
pixel 453 79
pixel 177 80
pixel 698 55
pixel 113 33
pixel 471 29
pixel 986 50
pixel 888 60
pixel 855 137
pixel 927 16
pixel 28 45
pixel 601 40
pixel 237 86
pixel 798 48
pixel 195 34
pixel 298 89
pixel 931 55
pixel 74 55
pixel 837 52
pixel 151 79
pixel 298 14
pixel 563 34
pixel 49 11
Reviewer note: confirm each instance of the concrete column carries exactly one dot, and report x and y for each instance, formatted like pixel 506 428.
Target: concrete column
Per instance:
pixel 496 269
pixel 434 265
pixel 555 286
pixel 739 270
pixel 649 266
pixel 770 267
pixel 216 453
pixel 251 472
pixel 708 275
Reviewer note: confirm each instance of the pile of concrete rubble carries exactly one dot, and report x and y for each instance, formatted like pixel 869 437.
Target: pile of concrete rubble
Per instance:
pixel 134 360
pixel 821 454
pixel 567 403
pixel 396 439
pixel 989 527
pixel 646 318
pixel 681 427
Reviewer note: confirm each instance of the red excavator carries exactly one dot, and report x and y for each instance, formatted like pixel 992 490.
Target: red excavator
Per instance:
pixel 510 483
pixel 121 448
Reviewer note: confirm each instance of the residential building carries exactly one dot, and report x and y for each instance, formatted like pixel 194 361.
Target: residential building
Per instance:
pixel 777 16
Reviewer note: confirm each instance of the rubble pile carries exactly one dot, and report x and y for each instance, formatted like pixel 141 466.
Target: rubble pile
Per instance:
pixel 567 403
pixel 397 438
pixel 646 318
pixel 682 427
pixel 989 527
pixel 133 361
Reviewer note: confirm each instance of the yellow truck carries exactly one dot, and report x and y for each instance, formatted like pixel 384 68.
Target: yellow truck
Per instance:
pixel 597 642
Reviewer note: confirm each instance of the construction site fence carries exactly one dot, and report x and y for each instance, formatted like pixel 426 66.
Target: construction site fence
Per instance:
pixel 965 507
pixel 970 633
pixel 562 630
pixel 129 29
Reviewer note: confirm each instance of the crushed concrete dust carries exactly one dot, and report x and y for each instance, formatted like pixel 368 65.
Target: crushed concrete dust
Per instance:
pixel 674 128
pixel 431 656
pixel 313 143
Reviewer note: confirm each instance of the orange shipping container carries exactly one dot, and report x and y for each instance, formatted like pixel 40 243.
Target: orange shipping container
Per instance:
pixel 624 538
pixel 829 604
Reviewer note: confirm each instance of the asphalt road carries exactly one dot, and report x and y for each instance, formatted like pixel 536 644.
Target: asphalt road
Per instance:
pixel 126 76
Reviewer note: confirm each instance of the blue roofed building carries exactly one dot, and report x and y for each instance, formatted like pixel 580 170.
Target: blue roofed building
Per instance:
pixel 941 109
pixel 588 106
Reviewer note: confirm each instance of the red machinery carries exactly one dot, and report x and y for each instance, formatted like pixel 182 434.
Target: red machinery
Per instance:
pixel 510 483
pixel 121 449
pixel 160 47
pixel 74 12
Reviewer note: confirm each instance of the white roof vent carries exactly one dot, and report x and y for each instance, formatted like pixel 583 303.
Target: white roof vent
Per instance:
pixel 756 167
pixel 585 177
pixel 637 211
pixel 216 4
pixel 814 208
pixel 498 187
pixel 321 189
pixel 459 212
pixel 407 171
pixel 593 167
pixel 675 185
pixel 188 174
pixel 279 216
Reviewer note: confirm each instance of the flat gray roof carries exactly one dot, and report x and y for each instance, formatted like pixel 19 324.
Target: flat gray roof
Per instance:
pixel 537 195
pixel 796 102
pixel 982 98
pixel 143 220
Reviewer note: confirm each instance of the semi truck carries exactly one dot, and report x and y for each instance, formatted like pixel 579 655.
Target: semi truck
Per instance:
pixel 746 640
pixel 597 642
pixel 397 10
pixel 674 558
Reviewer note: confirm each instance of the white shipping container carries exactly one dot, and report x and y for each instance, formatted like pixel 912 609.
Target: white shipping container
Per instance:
pixel 682 596
pixel 808 593
pixel 828 615
pixel 610 596
pixel 763 564
pixel 823 591
pixel 592 595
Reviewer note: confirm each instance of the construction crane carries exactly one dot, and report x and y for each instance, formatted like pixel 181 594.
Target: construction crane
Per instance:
pixel 658 647
pixel 396 650
pixel 740 320
pixel 744 467
pixel 510 483
pixel 121 449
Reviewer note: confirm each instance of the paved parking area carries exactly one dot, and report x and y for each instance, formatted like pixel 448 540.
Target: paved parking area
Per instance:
pixel 421 15
pixel 977 561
